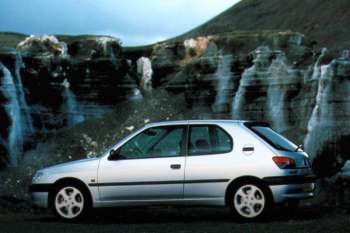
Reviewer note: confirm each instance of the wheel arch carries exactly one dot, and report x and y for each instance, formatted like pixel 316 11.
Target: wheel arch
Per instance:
pixel 68 181
pixel 246 179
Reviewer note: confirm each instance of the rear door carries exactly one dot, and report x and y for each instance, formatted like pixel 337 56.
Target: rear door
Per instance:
pixel 209 157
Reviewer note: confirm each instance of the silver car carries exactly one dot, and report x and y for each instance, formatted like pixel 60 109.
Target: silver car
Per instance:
pixel 244 165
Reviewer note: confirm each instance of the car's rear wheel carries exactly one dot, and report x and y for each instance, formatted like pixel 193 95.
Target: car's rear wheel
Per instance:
pixel 70 202
pixel 250 201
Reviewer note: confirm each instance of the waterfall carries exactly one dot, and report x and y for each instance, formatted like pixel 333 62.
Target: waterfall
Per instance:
pixel 72 110
pixel 106 43
pixel 320 114
pixel 317 67
pixel 223 74
pixel 320 73
pixel 330 117
pixel 239 99
pixel 276 96
pixel 15 136
pixel 250 78
pixel 28 122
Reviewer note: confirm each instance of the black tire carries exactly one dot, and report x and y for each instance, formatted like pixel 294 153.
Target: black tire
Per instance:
pixel 250 207
pixel 77 201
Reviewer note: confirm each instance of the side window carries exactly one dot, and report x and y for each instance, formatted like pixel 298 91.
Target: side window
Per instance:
pixel 223 141
pixel 199 140
pixel 155 142
pixel 209 139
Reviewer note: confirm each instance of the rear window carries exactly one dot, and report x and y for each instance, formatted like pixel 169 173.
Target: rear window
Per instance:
pixel 274 139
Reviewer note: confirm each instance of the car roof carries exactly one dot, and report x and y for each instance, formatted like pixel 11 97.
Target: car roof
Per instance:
pixel 184 122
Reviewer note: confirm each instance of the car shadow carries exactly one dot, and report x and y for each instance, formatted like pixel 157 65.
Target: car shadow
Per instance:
pixel 158 215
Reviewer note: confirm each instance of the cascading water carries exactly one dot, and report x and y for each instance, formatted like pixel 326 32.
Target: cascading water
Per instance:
pixel 106 45
pixel 251 78
pixel 239 99
pixel 71 104
pixel 28 122
pixel 15 140
pixel 317 67
pixel 330 116
pixel 322 119
pixel 276 96
pixel 223 74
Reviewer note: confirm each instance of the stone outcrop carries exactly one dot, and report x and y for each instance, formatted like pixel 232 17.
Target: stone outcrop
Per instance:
pixel 268 75
pixel 98 76
pixel 43 46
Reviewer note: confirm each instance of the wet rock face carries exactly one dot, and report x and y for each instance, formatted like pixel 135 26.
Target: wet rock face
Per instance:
pixel 268 76
pixel 328 127
pixel 272 77
pixel 98 80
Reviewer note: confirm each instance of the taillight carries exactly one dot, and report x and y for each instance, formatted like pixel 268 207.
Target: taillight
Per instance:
pixel 284 162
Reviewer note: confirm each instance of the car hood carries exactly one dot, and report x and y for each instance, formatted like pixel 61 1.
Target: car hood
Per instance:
pixel 78 165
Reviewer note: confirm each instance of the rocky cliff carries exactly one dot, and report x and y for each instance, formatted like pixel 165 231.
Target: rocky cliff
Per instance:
pixel 272 76
pixel 52 82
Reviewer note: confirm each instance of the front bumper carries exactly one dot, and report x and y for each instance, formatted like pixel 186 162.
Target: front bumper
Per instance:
pixel 285 188
pixel 40 194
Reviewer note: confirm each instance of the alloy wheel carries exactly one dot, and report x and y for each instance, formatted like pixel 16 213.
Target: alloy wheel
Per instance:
pixel 69 202
pixel 249 201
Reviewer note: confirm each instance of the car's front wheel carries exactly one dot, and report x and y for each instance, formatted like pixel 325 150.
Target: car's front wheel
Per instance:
pixel 249 201
pixel 70 202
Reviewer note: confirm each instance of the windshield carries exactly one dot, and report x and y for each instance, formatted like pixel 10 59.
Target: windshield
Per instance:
pixel 274 139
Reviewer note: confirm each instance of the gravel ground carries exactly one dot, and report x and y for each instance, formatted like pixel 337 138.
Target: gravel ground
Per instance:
pixel 332 215
pixel 305 219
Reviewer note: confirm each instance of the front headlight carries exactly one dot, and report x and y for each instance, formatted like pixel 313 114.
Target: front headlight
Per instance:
pixel 38 175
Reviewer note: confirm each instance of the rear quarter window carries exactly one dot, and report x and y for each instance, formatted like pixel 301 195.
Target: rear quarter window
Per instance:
pixel 209 139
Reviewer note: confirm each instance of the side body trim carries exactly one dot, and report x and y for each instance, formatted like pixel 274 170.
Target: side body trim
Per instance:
pixel 160 182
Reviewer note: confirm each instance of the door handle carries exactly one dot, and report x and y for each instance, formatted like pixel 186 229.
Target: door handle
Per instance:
pixel 248 149
pixel 175 166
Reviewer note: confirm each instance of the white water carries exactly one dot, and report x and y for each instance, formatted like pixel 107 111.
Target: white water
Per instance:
pixel 106 45
pixel 320 114
pixel 73 115
pixel 223 74
pixel 14 142
pixel 28 122
pixel 276 96
pixel 317 67
pixel 239 99
pixel 261 64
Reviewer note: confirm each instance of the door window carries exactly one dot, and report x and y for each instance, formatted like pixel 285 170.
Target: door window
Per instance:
pixel 155 142
pixel 209 139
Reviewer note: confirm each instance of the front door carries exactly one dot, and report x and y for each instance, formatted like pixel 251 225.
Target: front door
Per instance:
pixel 150 166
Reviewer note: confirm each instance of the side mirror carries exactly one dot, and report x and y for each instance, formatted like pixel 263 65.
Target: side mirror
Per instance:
pixel 114 155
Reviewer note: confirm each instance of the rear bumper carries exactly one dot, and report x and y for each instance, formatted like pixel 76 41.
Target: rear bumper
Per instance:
pixel 285 188
pixel 40 194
